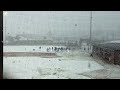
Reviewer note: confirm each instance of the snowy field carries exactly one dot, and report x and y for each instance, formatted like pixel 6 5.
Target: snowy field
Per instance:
pixel 66 67
pixel 72 65
pixel 28 68
pixel 28 48
pixel 84 48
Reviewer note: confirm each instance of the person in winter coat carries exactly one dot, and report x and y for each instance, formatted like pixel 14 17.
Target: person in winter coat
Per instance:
pixel 91 55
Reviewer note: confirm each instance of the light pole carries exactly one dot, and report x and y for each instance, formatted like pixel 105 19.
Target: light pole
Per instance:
pixel 90 26
pixel 90 30
pixel 5 14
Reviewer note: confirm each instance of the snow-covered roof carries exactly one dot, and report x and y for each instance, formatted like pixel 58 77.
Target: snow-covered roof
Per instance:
pixel 112 46
pixel 115 41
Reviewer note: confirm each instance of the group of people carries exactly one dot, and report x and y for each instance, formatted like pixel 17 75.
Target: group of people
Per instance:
pixel 57 49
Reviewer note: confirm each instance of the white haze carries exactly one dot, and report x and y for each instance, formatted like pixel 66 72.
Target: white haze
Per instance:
pixel 63 23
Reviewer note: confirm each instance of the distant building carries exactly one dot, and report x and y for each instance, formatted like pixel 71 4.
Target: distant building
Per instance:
pixel 108 51
pixel 85 45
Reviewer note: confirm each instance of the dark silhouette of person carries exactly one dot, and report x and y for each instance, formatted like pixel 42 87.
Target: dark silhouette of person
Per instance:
pixel 55 49
pixel 61 48
pixel 91 55
pixel 39 47
pixel 52 48
pixel 47 49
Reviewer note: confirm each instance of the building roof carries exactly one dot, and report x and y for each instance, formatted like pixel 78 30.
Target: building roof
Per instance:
pixel 115 41
pixel 112 46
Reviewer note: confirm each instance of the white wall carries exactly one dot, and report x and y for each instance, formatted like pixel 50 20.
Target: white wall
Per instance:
pixel 86 48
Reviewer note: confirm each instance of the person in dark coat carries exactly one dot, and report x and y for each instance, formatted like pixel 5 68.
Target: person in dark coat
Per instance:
pixel 55 49
pixel 47 49
pixel 52 48
pixel 91 55
pixel 39 47
pixel 61 48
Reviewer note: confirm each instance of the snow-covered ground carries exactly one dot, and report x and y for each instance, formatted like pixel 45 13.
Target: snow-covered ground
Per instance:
pixel 35 67
pixel 28 48
pixel 72 65
pixel 84 48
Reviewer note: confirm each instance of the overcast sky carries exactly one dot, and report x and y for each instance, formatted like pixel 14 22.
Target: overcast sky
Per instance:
pixel 61 23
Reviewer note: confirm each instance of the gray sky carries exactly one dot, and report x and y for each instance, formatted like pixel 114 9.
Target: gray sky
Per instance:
pixel 61 23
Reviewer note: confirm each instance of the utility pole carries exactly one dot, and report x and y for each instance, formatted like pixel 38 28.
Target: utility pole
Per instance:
pixel 90 31
pixel 90 26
